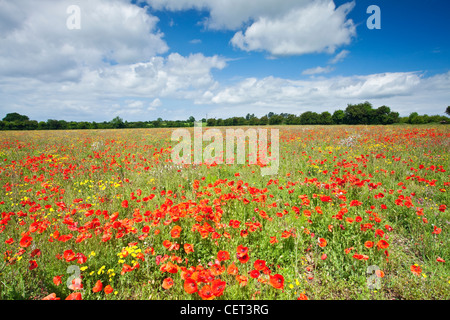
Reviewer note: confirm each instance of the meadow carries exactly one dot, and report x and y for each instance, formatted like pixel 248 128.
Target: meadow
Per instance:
pixel 354 212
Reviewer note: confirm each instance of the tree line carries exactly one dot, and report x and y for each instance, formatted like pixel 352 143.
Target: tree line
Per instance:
pixel 354 114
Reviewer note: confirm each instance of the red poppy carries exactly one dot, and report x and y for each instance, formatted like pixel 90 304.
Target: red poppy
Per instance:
pixel 322 242
pixel 125 203
pixel 223 255
pixel 69 255
pixel 368 244
pixel 260 265
pixel 57 280
pixel 241 250
pixel 254 274
pixel 35 252
pixel 167 283
pixel 217 287
pixel 302 297
pixel 25 241
pixel 439 259
pixel 33 264
pixel 244 258
pixel 190 286
pixel 232 269
pixel 206 293
pixel 382 244
pixel 416 270
pixel 277 281
pixel 436 230
pixel 175 232
pixel 243 280
pixel 51 296
pixel 98 286
pixel 74 296
pixel 9 241
pixel 188 248
pixel 108 289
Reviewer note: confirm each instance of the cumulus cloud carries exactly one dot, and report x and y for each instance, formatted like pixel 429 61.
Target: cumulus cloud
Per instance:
pixel 402 91
pixel 83 74
pixel 38 43
pixel 286 27
pixel 318 70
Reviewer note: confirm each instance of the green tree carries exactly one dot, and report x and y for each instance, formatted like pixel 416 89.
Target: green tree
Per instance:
pixel 338 117
pixel 117 123
pixel 358 113
pixel 447 111
pixel 11 117
pixel 325 118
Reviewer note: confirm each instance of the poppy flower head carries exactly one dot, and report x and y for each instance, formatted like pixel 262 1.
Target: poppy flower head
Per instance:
pixel 167 283
pixel 277 281
pixel 223 255
pixel 190 286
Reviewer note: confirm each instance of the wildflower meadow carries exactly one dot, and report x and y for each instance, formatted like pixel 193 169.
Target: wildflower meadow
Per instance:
pixel 352 212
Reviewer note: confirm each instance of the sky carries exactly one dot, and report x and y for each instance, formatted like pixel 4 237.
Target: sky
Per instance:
pixel 94 60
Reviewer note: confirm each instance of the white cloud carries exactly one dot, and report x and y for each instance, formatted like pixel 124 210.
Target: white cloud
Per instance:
pixel 403 92
pixel 317 70
pixel 36 42
pixel 339 57
pixel 320 27
pixel 286 27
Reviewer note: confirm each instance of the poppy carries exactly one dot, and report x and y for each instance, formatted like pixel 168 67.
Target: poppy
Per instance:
pixel 57 280
pixel 167 283
pixel 74 296
pixel 206 293
pixel 97 287
pixel 241 250
pixel 125 204
pixel 416 270
pixel 35 252
pixel 51 296
pixel 244 258
pixel 436 230
pixel 382 244
pixel 254 274
pixel 175 232
pixel 368 244
pixel 69 255
pixel 379 273
pixel 218 287
pixel 259 265
pixel 302 297
pixel 190 286
pixel 243 280
pixel 439 259
pixel 277 281
pixel 324 256
pixel 322 242
pixel 9 241
pixel 232 269
pixel 25 241
pixel 108 289
pixel 188 248
pixel 223 255
pixel 33 264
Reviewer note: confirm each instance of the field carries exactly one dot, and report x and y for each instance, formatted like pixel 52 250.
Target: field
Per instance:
pixel 354 212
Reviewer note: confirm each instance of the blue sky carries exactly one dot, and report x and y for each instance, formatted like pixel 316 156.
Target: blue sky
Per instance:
pixel 142 60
